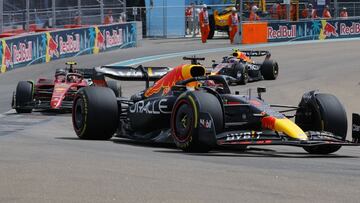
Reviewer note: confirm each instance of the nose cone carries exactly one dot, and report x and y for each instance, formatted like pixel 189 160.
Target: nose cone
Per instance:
pixel 285 126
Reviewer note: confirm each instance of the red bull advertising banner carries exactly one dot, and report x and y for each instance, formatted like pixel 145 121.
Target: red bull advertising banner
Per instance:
pixel 318 29
pixel 48 46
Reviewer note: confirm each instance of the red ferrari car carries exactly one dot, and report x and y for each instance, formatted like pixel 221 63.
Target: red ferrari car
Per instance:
pixel 56 93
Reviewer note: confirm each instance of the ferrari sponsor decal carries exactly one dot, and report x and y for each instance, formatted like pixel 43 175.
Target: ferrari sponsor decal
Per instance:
pixel 150 107
pixel 59 90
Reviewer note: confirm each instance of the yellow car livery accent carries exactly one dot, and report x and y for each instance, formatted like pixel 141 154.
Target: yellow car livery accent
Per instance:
pixel 289 128
pixel 195 111
pixel 150 72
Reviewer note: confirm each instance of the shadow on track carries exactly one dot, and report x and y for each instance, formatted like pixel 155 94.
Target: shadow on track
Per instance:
pixel 226 152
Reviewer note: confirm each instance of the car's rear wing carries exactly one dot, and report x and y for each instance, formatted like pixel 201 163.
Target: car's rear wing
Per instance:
pixel 128 73
pixel 252 53
pixel 86 72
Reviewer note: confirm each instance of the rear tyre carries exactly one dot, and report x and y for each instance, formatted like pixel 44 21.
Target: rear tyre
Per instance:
pixel 115 88
pixel 185 120
pixel 212 27
pixel 270 70
pixel 24 96
pixel 95 113
pixel 330 117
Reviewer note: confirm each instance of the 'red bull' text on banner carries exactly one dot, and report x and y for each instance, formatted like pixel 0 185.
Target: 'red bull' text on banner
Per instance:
pixel 318 29
pixel 48 46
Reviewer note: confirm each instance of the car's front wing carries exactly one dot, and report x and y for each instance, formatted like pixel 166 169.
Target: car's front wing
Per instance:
pixel 315 138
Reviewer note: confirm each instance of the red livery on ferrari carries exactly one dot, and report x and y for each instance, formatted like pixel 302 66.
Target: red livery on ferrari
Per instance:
pixel 57 93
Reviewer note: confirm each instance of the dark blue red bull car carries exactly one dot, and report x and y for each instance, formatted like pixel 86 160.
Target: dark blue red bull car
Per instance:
pixel 199 112
pixel 241 66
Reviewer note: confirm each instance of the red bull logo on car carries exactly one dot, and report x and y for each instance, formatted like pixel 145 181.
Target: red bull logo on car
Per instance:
pixel 163 85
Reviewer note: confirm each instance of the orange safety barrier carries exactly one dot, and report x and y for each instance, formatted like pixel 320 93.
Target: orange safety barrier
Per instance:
pixel 254 32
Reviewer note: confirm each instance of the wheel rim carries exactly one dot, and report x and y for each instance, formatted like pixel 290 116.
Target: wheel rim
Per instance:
pixel 242 75
pixel 238 74
pixel 275 69
pixel 183 122
pixel 79 114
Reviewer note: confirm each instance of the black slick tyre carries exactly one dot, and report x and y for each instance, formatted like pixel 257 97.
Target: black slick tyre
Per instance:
pixel 185 120
pixel 331 118
pixel 269 69
pixel 114 87
pixel 95 113
pixel 24 96
pixel 241 74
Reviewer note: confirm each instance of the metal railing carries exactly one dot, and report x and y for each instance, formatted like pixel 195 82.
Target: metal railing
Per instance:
pixel 158 21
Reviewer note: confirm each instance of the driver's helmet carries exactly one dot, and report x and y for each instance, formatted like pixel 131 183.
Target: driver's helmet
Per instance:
pixel 209 83
pixel 73 78
pixel 232 60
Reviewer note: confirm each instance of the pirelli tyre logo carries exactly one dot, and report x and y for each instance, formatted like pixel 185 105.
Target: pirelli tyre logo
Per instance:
pixel 150 107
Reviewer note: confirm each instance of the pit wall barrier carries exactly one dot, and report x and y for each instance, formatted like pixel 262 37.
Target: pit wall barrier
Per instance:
pixel 303 30
pixel 47 46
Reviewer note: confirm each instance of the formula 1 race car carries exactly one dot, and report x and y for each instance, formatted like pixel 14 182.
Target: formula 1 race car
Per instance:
pixel 57 93
pixel 198 112
pixel 241 67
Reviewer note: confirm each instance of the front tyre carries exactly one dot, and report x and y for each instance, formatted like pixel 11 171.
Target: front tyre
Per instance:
pixel 95 113
pixel 327 114
pixel 241 74
pixel 269 69
pixel 24 97
pixel 185 120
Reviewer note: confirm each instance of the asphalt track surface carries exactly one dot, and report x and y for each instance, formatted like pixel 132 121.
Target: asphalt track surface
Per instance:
pixel 41 160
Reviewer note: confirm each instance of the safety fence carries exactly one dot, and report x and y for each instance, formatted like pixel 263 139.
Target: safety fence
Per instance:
pixel 47 46
pixel 160 18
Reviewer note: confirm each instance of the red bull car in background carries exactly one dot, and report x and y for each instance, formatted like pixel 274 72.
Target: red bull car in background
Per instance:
pixel 57 93
pixel 241 67
pixel 198 112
